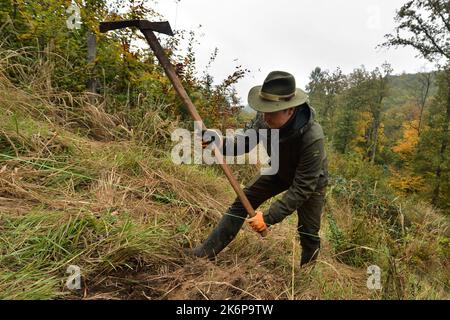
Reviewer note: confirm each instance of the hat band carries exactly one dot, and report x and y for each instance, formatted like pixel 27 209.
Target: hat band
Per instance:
pixel 276 98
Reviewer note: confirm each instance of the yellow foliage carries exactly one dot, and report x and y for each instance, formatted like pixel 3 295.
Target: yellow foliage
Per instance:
pixel 358 143
pixel 407 183
pixel 407 145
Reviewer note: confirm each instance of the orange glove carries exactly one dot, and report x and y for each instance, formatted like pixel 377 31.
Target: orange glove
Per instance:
pixel 257 222
pixel 205 144
pixel 213 134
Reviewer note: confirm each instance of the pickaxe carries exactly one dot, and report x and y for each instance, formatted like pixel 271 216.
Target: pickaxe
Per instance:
pixel 147 28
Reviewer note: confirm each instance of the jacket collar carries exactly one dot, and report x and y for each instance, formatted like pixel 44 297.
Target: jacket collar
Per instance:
pixel 299 123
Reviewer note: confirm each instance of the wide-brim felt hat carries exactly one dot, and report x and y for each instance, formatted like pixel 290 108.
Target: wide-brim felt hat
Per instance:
pixel 278 93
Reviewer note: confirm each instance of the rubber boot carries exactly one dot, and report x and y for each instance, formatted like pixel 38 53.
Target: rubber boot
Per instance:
pixel 310 250
pixel 220 237
pixel 258 190
pixel 309 256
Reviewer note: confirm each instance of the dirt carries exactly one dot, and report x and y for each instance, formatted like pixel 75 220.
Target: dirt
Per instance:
pixel 191 279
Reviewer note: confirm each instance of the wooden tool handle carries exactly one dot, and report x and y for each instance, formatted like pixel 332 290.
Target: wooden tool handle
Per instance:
pixel 178 86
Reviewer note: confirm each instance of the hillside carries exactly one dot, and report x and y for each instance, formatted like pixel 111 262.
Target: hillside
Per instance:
pixel 405 87
pixel 79 186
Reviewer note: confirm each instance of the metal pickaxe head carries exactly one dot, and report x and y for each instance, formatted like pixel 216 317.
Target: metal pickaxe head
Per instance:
pixel 143 25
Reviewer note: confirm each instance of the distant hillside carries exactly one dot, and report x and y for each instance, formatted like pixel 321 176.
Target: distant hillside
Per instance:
pixel 404 88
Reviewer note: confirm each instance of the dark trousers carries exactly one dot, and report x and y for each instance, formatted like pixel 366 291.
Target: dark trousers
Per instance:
pixel 258 190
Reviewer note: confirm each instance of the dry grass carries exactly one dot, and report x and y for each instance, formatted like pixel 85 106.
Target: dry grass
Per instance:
pixel 78 186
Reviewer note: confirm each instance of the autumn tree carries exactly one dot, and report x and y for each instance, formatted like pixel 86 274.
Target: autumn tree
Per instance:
pixel 323 89
pixel 433 158
pixel 425 81
pixel 351 104
pixel 425 26
pixel 377 91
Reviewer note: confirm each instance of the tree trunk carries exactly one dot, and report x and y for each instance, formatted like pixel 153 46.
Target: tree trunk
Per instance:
pixel 92 51
pixel 376 126
pixel 382 82
pixel 443 148
pixel 376 114
pixel 425 90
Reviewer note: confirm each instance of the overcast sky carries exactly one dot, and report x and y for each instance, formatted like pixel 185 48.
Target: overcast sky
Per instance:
pixel 290 35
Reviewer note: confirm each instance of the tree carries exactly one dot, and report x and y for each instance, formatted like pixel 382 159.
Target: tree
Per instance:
pixel 351 103
pixel 433 156
pixel 425 80
pixel 316 89
pixel 324 88
pixel 378 86
pixel 425 26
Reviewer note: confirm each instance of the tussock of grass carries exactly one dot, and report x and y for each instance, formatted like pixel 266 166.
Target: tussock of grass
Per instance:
pixel 38 248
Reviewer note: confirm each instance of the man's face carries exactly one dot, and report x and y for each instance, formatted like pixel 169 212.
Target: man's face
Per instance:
pixel 276 120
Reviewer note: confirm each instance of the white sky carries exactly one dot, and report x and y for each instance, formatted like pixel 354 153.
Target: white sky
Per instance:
pixel 290 35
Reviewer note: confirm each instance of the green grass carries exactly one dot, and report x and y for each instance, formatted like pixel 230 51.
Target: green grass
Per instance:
pixel 37 248
pixel 120 209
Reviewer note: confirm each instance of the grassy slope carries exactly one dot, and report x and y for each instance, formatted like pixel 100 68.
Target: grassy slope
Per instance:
pixel 76 190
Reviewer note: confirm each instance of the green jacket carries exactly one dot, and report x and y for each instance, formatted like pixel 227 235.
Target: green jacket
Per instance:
pixel 302 160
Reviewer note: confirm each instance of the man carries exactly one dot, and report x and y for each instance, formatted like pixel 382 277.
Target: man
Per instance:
pixel 302 169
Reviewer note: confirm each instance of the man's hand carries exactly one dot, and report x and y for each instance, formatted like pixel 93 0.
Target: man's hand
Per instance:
pixel 211 136
pixel 205 144
pixel 257 222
